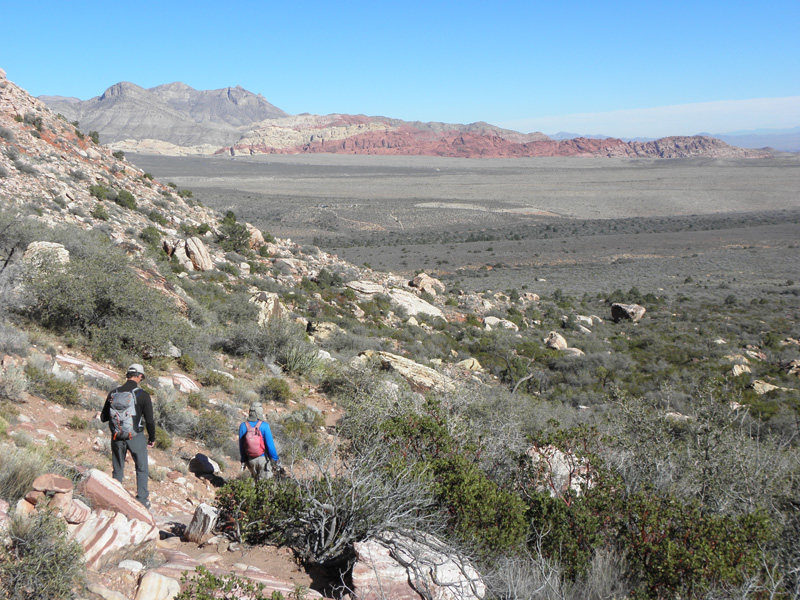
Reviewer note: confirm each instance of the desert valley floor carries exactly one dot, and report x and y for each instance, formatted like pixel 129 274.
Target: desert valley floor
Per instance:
pixel 579 224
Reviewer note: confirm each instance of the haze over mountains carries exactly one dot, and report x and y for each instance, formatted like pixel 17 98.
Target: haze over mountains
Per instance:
pixel 175 119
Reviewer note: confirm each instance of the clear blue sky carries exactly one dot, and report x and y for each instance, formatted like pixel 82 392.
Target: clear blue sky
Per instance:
pixel 545 66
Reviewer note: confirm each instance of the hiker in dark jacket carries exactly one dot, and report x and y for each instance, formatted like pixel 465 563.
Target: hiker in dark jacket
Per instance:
pixel 142 418
pixel 259 466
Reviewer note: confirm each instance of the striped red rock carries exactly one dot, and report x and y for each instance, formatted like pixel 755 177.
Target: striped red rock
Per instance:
pixel 105 492
pixel 108 537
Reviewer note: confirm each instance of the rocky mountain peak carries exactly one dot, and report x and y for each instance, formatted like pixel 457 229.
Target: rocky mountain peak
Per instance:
pixel 123 88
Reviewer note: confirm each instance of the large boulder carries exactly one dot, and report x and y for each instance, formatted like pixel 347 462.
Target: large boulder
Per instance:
pixel 629 312
pixel 555 341
pixel 205 517
pixel 491 323
pixel 412 304
pixel 426 283
pixel 256 237
pixel 198 253
pixel 45 254
pixel 105 492
pixel 397 567
pixel 269 306
pixel 108 537
pixel 418 376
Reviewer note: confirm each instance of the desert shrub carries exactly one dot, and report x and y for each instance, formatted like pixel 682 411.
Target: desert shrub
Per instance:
pixel 678 550
pixel 481 512
pixel 212 378
pixel 237 308
pixel 204 585
pixel 213 429
pixel 233 236
pixel 174 416
pixel 158 218
pixel 118 154
pixel 97 295
pixel 77 423
pixel 268 342
pixel 163 440
pixel 99 191
pixel 322 515
pixel 94 136
pixel 13 384
pixel 150 236
pixel 254 511
pixel 18 469
pixel 275 389
pixel 298 358
pixel 40 563
pixel 125 199
pixel 13 340
pixel 99 212
pixel 51 387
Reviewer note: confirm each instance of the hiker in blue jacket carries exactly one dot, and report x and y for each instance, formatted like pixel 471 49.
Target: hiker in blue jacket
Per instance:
pixel 259 466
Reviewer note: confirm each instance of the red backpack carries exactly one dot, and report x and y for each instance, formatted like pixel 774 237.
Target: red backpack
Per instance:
pixel 253 440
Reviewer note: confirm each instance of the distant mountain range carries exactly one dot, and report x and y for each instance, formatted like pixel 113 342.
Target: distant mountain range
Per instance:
pixel 785 140
pixel 176 119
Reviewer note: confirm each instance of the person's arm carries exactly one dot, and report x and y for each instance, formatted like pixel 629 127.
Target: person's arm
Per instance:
pixel 105 414
pixel 242 431
pixel 266 433
pixel 146 405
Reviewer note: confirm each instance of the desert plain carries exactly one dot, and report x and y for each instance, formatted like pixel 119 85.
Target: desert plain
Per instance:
pixel 582 225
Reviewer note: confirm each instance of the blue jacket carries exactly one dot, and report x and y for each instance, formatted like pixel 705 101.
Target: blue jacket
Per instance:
pixel 266 433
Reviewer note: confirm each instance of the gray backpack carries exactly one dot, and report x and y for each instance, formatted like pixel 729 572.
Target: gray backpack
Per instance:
pixel 121 413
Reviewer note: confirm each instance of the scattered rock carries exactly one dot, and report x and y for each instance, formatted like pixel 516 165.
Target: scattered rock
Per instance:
pixel 629 312
pixel 205 517
pixel 104 492
pixel 155 586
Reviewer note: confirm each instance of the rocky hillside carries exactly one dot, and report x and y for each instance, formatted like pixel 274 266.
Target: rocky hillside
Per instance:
pixel 175 119
pixel 465 414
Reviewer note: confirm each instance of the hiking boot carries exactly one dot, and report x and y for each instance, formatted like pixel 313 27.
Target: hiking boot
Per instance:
pixel 145 503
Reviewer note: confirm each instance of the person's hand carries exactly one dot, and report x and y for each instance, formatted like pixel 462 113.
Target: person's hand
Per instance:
pixel 151 444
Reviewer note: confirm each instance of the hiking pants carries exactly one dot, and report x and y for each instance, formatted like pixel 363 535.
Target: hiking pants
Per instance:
pixel 260 468
pixel 138 447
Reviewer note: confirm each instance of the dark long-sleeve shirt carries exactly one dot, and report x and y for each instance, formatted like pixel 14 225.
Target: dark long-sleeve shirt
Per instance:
pixel 144 410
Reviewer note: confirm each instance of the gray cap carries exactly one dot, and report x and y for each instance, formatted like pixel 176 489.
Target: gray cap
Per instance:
pixel 256 412
pixel 134 370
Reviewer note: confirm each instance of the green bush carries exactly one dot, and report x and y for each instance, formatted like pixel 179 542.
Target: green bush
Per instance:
pixel 99 191
pixel 213 429
pixel 275 389
pixel 13 383
pixel 680 551
pixel 150 236
pixel 118 154
pixel 204 585
pixel 125 199
pixel 18 469
pixel 255 511
pixel 97 295
pixel 158 218
pixel 99 212
pixel 50 387
pixel 40 563
pixel 77 423
pixel 94 136
pixel 163 441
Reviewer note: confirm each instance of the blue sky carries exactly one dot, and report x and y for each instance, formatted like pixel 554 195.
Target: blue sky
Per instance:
pixel 619 68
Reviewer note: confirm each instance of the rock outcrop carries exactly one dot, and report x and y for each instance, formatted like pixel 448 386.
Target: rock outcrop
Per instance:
pixel 398 567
